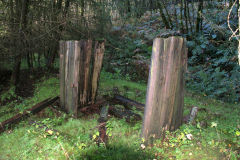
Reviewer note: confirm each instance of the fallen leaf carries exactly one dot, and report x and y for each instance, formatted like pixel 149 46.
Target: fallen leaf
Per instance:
pixel 50 132
pixel 143 146
pixel 189 136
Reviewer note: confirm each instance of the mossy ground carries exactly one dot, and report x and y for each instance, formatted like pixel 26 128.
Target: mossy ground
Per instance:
pixel 68 138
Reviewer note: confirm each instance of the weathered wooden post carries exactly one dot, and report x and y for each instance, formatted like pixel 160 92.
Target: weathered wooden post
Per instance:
pixel 98 58
pixel 165 93
pixel 69 75
pixel 78 78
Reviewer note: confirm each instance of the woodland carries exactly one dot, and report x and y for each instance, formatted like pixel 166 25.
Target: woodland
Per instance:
pixel 109 122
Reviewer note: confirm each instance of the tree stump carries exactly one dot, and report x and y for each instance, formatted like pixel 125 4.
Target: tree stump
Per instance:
pixel 165 93
pixel 79 74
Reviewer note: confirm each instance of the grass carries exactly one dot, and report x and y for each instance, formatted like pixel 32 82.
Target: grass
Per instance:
pixel 44 89
pixel 215 135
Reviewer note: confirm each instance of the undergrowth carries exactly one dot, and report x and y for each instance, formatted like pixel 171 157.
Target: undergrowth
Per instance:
pixel 46 88
pixel 214 135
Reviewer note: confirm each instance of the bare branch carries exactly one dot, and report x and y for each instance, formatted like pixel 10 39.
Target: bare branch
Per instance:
pixel 228 20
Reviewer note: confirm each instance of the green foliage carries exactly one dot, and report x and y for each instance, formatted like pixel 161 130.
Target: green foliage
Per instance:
pixel 8 95
pixel 45 88
pixel 120 55
pixel 213 69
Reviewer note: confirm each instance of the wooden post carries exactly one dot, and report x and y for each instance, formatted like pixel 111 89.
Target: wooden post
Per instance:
pixel 98 58
pixel 78 85
pixel 69 75
pixel 165 93
pixel 85 61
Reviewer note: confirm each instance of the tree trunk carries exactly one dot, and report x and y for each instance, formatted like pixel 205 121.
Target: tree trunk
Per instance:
pixel 175 15
pixel 165 94
pixel 58 32
pixel 20 41
pixel 82 8
pixel 168 16
pixel 69 75
pixel 181 17
pixel 199 16
pixel 163 15
pixel 189 16
pixel 185 15
pixel 78 79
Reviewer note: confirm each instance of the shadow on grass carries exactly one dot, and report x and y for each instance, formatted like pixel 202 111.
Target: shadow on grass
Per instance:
pixel 115 152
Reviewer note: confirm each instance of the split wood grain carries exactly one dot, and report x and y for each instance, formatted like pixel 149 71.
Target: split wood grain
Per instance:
pixel 165 93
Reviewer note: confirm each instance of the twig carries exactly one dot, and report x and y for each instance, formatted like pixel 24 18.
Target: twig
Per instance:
pixel 65 152
pixel 235 32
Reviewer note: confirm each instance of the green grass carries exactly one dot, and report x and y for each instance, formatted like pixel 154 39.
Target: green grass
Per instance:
pixel 44 89
pixel 73 138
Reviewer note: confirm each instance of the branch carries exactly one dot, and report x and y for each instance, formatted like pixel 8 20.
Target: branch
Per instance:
pixel 228 18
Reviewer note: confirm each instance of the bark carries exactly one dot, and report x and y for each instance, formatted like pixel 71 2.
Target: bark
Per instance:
pixel 97 66
pixel 165 94
pixel 127 103
pixel 69 75
pixel 78 79
pixel 87 61
pixel 126 114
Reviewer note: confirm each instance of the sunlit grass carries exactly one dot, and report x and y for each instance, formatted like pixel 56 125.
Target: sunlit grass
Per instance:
pixel 73 138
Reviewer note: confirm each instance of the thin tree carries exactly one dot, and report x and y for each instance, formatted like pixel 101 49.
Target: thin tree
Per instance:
pixel 235 33
pixel 199 16
pixel 21 10
pixel 160 6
